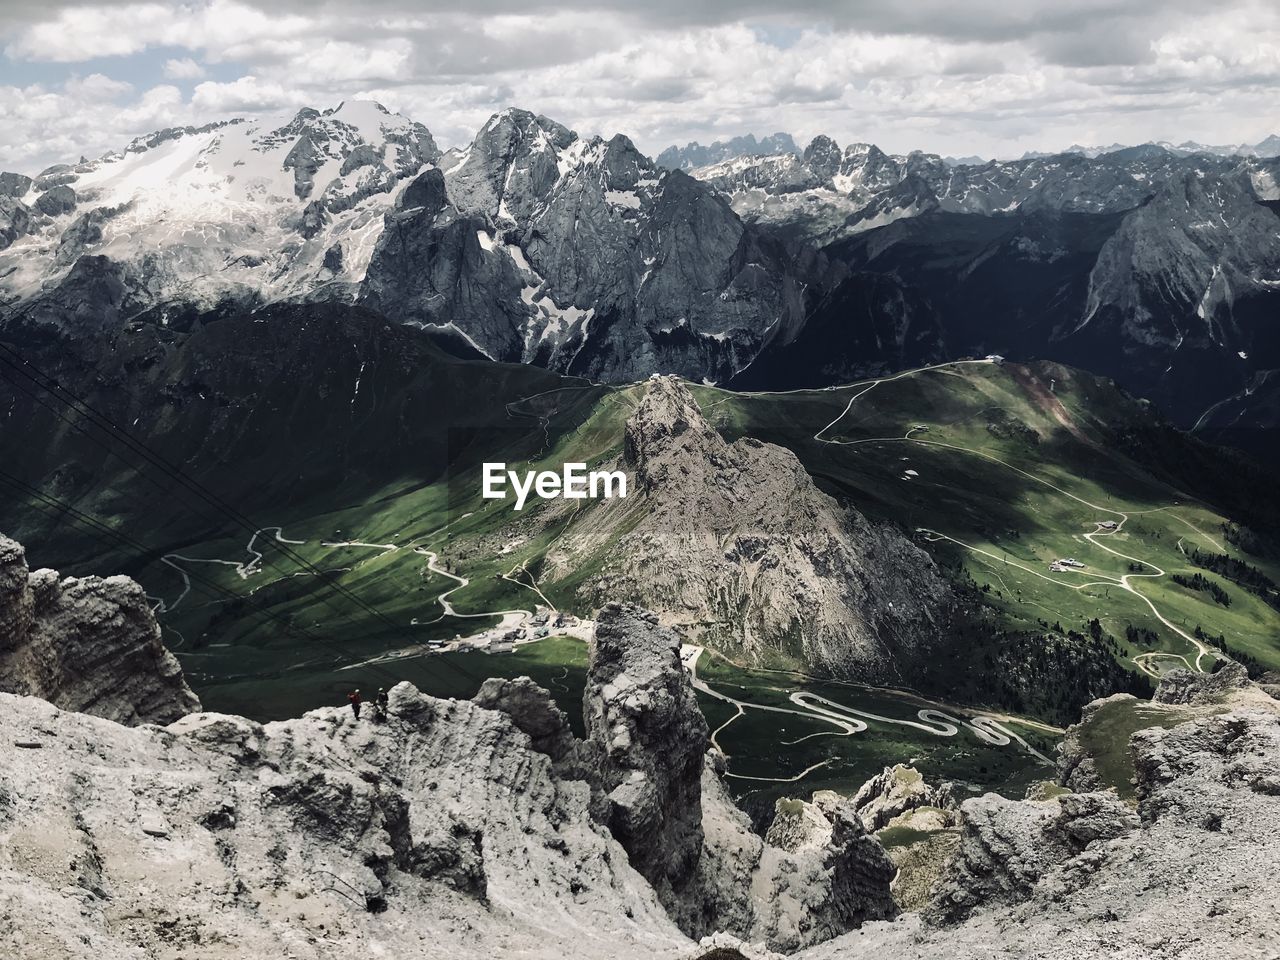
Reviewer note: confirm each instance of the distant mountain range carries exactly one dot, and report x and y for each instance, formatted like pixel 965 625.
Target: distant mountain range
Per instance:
pixel 1157 266
pixel 694 154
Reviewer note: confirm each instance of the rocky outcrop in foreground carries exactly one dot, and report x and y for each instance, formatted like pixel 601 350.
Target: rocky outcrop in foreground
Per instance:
pixel 641 711
pixel 462 828
pixel 666 803
pixel 1186 871
pixel 897 793
pixel 86 644
pixel 734 543
pixel 440 832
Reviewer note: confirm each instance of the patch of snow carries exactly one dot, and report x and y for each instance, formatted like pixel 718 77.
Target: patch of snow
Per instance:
pixel 623 198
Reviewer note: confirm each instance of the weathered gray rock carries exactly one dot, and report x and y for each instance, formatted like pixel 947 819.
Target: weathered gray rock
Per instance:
pixel 431 268
pixel 533 710
pixel 510 166
pixel 1188 875
pixel 898 790
pixel 333 258
pixel 1007 847
pixel 84 233
pixel 89 645
pixel 585 258
pixel 438 832
pixel 1077 769
pixel 816 875
pixel 56 201
pixel 304 160
pixel 1197 772
pixel 15 219
pixel 1186 687
pixel 312 219
pixel 14 185
pixel 640 708
pixel 364 155
pixel 426 190
pixel 668 806
pixel 733 543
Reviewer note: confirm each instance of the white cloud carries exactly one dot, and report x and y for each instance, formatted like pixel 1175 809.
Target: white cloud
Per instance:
pixel 183 69
pixel 987 76
pixel 96 87
pixel 39 133
pixel 246 95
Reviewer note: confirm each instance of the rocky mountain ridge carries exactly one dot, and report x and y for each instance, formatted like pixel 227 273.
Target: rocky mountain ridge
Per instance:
pixel 734 544
pixel 189 218
pixel 533 244
pixel 827 192
pixel 694 154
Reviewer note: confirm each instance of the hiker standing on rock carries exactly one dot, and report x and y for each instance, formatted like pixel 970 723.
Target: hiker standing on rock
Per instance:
pixel 380 705
pixel 354 699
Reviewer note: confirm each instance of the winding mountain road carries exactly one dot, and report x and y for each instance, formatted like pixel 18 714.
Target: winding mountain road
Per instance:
pixel 848 720
pixel 1123 582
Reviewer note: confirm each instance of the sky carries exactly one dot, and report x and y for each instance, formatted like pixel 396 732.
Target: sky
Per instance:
pixel 992 78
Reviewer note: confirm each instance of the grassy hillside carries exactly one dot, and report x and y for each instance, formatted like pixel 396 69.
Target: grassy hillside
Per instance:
pixel 1003 469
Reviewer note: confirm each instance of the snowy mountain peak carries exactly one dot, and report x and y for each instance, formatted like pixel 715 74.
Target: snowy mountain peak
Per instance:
pixel 272 205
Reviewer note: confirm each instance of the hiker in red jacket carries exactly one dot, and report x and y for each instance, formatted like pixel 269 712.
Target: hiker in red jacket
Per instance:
pixel 354 699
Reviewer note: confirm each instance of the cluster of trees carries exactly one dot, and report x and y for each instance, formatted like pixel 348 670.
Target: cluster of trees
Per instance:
pixel 1198 581
pixel 1250 663
pixel 1239 572
pixel 1143 637
pixel 1247 540
pixel 1048 672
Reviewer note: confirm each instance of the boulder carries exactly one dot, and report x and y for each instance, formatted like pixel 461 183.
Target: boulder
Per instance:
pixel 56 201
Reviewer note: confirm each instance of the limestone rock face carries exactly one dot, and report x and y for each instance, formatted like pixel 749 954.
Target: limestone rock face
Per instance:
pixel 14 185
pixel 733 544
pixel 1185 687
pixel 666 803
pixel 1196 772
pixel 1008 846
pixel 440 832
pixel 817 873
pixel 15 219
pixel 583 256
pixel 56 201
pixel 90 645
pixel 1188 874
pixel 1076 768
pixel 534 711
pixel 640 709
pixel 896 791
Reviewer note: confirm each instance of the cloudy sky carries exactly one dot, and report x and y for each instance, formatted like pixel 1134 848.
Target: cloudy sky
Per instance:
pixel 991 77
